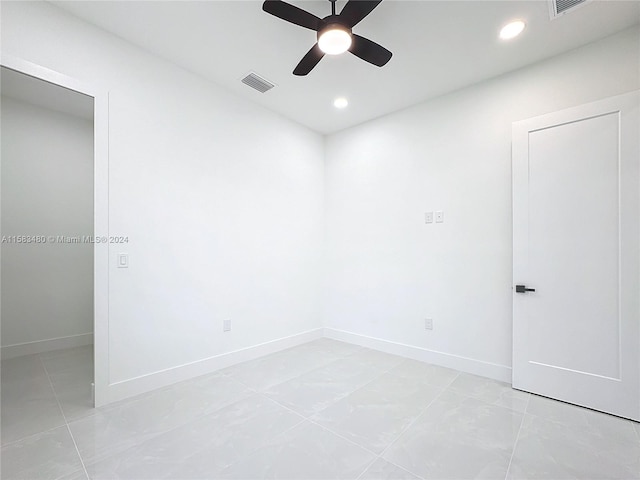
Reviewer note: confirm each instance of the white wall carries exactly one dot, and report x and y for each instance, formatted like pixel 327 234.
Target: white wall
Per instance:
pixel 386 270
pixel 47 190
pixel 222 202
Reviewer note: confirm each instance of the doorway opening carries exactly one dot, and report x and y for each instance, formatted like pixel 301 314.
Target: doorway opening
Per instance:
pixel 54 264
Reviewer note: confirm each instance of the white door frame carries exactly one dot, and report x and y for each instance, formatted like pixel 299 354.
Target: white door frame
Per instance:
pixel 100 210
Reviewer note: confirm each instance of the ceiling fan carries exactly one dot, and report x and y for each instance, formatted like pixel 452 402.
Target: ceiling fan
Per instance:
pixel 334 32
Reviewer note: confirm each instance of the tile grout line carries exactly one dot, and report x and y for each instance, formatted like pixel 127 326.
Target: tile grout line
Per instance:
pixel 239 459
pixel 282 405
pixel 338 358
pixel 31 435
pixel 66 421
pixel 317 367
pixel 377 456
pixel 53 389
pixel 404 469
pixel 356 388
pixel 380 456
pixel 253 390
pixel 230 377
pixel 515 444
pixel 308 418
pixel 461 393
pixel 375 459
pixel 303 420
pixel 261 391
pixel 84 467
pixel 170 430
pixel 239 382
pixel 343 437
pixel 401 467
pixel 444 388
pixel 3 445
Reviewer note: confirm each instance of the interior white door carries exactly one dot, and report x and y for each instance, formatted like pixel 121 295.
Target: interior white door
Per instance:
pixel 576 242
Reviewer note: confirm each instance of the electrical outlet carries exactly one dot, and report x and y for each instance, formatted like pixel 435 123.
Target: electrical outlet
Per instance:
pixel 428 323
pixel 428 217
pixel 226 325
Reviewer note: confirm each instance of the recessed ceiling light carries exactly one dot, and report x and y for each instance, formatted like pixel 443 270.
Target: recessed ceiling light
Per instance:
pixel 511 30
pixel 340 102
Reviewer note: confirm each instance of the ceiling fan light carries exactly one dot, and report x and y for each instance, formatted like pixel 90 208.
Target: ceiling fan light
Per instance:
pixel 334 40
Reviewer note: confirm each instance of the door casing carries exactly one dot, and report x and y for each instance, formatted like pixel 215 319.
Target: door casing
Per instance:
pixel 101 210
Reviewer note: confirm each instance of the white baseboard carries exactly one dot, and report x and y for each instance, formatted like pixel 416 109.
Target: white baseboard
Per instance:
pixel 42 346
pixel 464 364
pixel 146 383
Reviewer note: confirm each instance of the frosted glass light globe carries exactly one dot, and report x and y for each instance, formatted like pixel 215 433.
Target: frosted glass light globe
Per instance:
pixel 334 41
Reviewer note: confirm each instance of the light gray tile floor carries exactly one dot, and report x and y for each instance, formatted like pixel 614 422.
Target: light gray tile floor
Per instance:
pixel 323 410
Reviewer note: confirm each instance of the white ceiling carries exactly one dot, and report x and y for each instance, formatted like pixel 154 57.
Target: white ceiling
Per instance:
pixel 35 91
pixel 438 47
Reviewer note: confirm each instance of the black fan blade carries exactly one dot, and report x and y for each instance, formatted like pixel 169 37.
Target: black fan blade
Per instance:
pixel 292 14
pixel 356 10
pixel 309 61
pixel 369 51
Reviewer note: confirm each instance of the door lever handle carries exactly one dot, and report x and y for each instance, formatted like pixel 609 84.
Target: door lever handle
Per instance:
pixel 523 289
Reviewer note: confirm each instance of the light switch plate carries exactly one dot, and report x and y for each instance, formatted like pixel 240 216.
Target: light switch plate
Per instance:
pixel 439 216
pixel 123 260
pixel 428 217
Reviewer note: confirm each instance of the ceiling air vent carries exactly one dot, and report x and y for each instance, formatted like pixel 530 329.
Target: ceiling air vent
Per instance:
pixel 257 82
pixel 557 8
